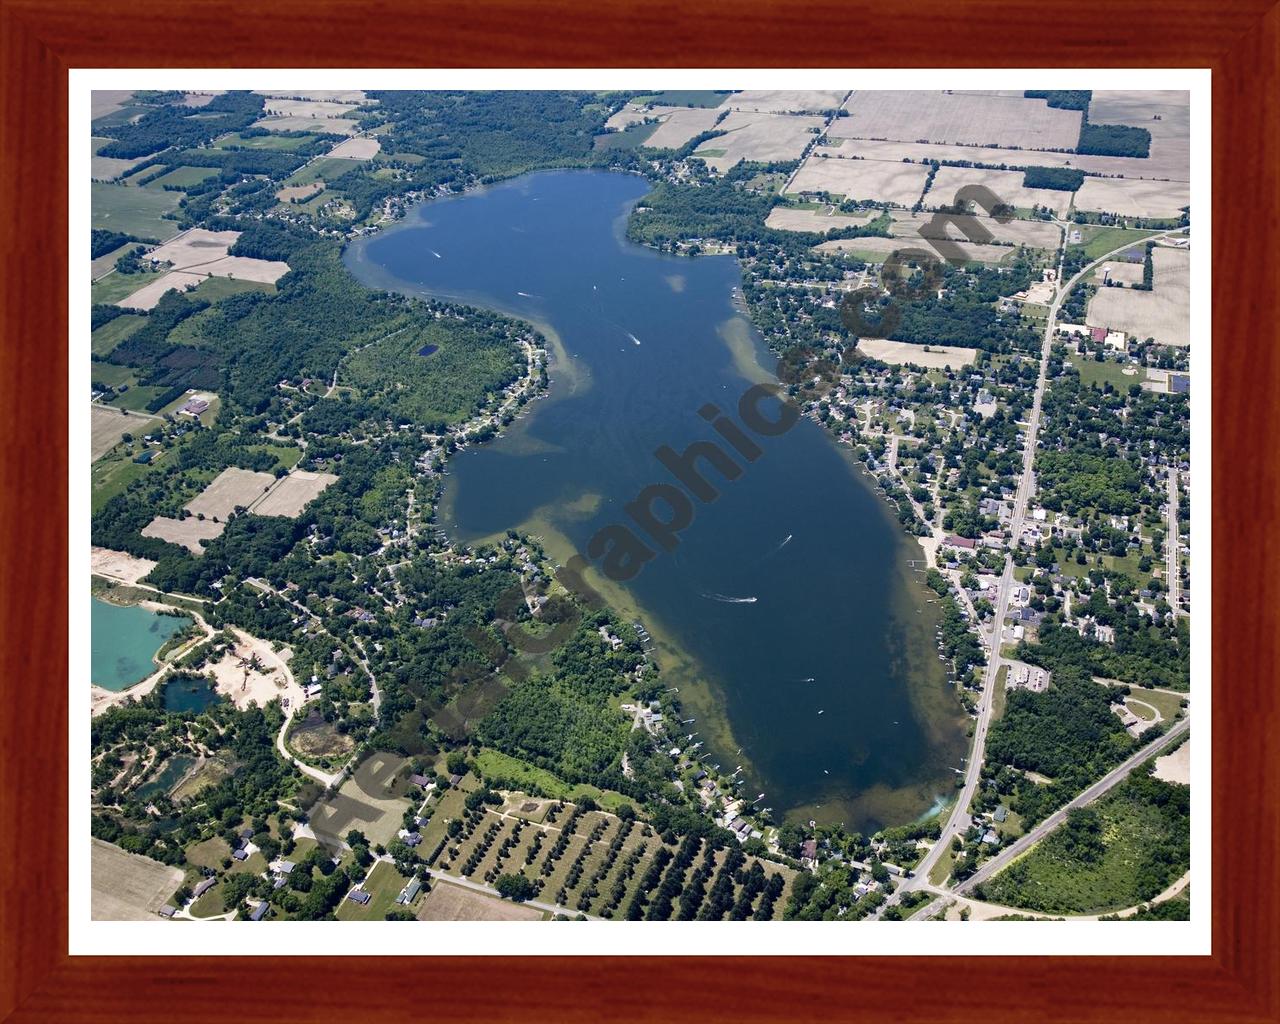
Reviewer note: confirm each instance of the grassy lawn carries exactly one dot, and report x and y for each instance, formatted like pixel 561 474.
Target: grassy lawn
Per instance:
pixel 209 904
pixel 684 98
pixel 114 287
pixel 1097 241
pixel 1107 372
pixel 111 374
pixel 211 289
pixel 209 853
pixel 182 177
pixel 494 764
pixel 383 884
pixel 629 138
pixel 134 211
pixel 110 476
pixel 327 168
pixel 999 697
pixel 272 141
pixel 108 336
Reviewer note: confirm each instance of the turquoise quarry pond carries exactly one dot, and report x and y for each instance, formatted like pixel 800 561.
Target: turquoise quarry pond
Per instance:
pixel 124 641
pixel 788 616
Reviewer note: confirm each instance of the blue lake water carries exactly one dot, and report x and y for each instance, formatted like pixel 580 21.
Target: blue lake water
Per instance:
pixel 788 614
pixel 189 693
pixel 125 639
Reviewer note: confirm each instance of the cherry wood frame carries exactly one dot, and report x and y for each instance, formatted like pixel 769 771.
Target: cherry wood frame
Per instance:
pixel 41 39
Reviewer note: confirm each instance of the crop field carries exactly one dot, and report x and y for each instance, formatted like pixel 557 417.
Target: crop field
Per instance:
pixel 107 101
pixel 189 533
pixel 109 425
pixel 293 493
pixel 686 98
pixel 1170 135
pixel 183 176
pixel 106 168
pixel 446 902
pixel 787 218
pixel 679 125
pixel 1164 313
pixel 874 180
pixel 759 137
pixel 309 108
pixel 109 335
pixel 133 211
pixel 107 262
pixel 150 293
pixel 299 192
pixel 784 101
pixel 128 887
pixel 874 249
pixel 319 95
pixel 194 248
pixel 1037 234
pixel 281 143
pixel 324 169
pixel 214 288
pixel 363 148
pixel 1132 197
pixel 933 357
pixel 968 118
pixel 233 488
pixel 1155 166
pixel 1007 185
pixel 325 125
pixel 1118 270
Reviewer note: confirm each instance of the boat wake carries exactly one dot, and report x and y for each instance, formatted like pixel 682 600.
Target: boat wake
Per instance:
pixel 731 600
pixel 633 337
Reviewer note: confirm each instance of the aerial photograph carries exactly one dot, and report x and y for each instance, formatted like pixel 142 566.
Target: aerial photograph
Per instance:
pixel 638 505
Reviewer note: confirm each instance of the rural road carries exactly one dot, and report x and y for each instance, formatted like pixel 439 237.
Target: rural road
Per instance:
pixel 466 883
pixel 959 820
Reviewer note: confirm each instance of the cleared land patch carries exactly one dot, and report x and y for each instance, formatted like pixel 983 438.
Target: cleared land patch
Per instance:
pixel 872 180
pixel 119 565
pixel 785 101
pixel 874 248
pixel 293 493
pixel 233 488
pixel 1035 233
pixel 758 137
pixel 331 95
pixel 1007 185
pixel 190 533
pixel 109 425
pixel 1131 197
pixel 899 353
pixel 126 886
pixel 788 218
pixel 679 125
pixel 969 118
pixel 300 193
pixel 363 148
pixel 133 211
pixel 326 125
pixel 1164 313
pixel 1175 767
pixel 149 294
pixel 1166 114
pixel 194 247
pixel 447 902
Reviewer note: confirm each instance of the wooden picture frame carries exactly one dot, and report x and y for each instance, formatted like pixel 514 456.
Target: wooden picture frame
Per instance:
pixel 41 39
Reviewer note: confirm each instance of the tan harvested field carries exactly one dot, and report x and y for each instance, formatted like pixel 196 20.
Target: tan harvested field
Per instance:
pixel 1170 136
pixel 679 125
pixel 1036 233
pixel 899 353
pixel 1164 166
pixel 118 565
pixel 309 108
pixel 447 902
pixel 320 95
pixel 1175 767
pixel 876 180
pixel 288 195
pixel 293 493
pixel 363 148
pixel 108 425
pixel 126 886
pixel 106 168
pixel 762 137
pixel 632 113
pixel 785 101
pixel 246 268
pixel 326 125
pixel 199 99
pixel 1007 185
pixel 1126 273
pixel 1134 198
pixel 189 533
pixel 875 249
pixel 969 118
pixel 107 101
pixel 194 248
pixel 232 488
pixel 1164 313
pixel 785 218
pixel 147 296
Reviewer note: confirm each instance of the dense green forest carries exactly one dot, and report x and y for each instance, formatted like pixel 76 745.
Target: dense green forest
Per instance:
pixel 1064 99
pixel 1113 140
pixel 176 125
pixel 1063 179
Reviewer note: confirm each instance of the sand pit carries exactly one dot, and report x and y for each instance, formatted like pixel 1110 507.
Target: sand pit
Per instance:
pixel 118 565
pixel 758 137
pixel 875 180
pixel 785 218
pixel 252 673
pixel 785 101
pixel 968 118
pixel 363 148
pixel 1175 767
pixel 190 533
pixel 1134 198
pixel 233 488
pixel 1007 186
pixel 1164 313
pixel 126 886
pixel 899 353
pixel 293 493
pixel 108 425
pixel 147 296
